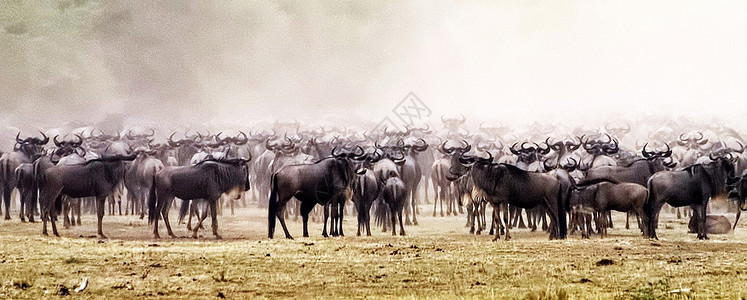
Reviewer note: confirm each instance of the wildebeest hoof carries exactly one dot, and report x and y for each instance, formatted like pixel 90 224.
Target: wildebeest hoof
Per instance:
pixel 7 218
pixel 402 233
pixel 23 220
pixel 289 237
pixel 415 223
pixel 218 237
pixel 102 236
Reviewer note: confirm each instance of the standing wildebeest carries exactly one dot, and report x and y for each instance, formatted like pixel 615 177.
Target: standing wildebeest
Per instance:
pixel 318 183
pixel 692 186
pixel 96 178
pixel 24 151
pixel 365 191
pixel 604 195
pixel 207 180
pixel 395 194
pixel 507 184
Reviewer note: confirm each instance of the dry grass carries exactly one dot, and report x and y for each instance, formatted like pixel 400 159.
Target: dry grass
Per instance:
pixel 438 259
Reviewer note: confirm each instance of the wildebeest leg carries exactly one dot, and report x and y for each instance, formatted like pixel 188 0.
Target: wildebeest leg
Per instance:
pixel 23 206
pixel 214 218
pixel 326 218
pixel 306 208
pixel 654 220
pixel 342 215
pixel 679 215
pixel 435 197
pixel 481 218
pixel 100 215
pixel 504 209
pixel 76 210
pixel 231 201
pixel 6 199
pixel 627 220
pixel 165 215
pixel 393 214
pixel 739 213
pixel 608 215
pixel 65 212
pixel 495 222
pixel 700 211
pixel 401 226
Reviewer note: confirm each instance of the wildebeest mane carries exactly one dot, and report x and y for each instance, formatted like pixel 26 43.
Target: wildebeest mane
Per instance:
pixel 517 173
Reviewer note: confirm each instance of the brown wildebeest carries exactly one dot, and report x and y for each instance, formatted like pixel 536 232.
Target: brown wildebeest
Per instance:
pixel 604 195
pixel 715 224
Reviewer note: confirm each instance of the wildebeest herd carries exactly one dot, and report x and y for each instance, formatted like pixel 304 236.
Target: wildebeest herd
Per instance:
pixel 562 180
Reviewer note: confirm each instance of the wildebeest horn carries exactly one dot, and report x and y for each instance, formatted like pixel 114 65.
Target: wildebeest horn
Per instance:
pixel 152 133
pixel 46 138
pixel 18 138
pixel 647 154
pixel 56 142
pixel 666 153
pixel 217 137
pixel 741 148
pixel 703 142
pixel 490 156
pixel 129 135
pixel 118 136
pixel 171 140
pixel 333 152
pixel 683 138
pixel 466 148
pixel 423 146
pixel 710 155
pixel 513 149
pixel 80 140
pixel 700 134
pixel 243 141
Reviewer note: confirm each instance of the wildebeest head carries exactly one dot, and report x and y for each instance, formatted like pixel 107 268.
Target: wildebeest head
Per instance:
pixel 31 145
pixel 661 159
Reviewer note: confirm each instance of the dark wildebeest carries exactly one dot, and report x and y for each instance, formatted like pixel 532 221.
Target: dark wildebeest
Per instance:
pixel 24 151
pixel 508 184
pixel 96 178
pixel 317 183
pixel 395 194
pixel 604 195
pixel 207 180
pixel 365 191
pixel 692 186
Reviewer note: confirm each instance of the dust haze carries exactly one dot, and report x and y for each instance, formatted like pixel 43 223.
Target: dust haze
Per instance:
pixel 177 63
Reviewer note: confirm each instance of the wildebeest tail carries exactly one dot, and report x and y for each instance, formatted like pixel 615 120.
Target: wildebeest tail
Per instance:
pixel 183 210
pixel 272 207
pixel 648 209
pixel 152 199
pixel 562 225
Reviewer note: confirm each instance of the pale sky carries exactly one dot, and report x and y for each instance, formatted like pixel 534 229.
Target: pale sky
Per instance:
pixel 239 62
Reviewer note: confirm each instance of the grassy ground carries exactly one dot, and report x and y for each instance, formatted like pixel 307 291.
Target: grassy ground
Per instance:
pixel 437 259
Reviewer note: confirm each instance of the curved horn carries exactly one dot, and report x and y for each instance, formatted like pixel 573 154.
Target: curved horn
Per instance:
pixel 171 140
pixel 18 138
pixel 700 134
pixel 466 148
pixel 666 153
pixel 56 142
pixel 80 141
pixel 152 133
pixel 333 152
pixel 129 135
pixel 243 141
pixel 46 138
pixel 645 153
pixel 683 138
pixel 513 150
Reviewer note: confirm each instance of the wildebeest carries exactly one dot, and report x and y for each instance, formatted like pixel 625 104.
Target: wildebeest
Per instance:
pixel 317 183
pixel 207 180
pixel 604 195
pixel 504 183
pixel 693 186
pixel 24 151
pixel 715 224
pixel 394 194
pixel 96 178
